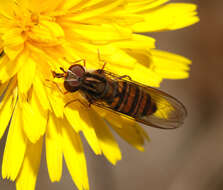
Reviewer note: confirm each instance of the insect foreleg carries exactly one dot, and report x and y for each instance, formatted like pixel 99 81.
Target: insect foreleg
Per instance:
pixel 76 100
pixel 77 61
pixel 90 100
pixel 81 60
pixel 125 76
pixel 57 87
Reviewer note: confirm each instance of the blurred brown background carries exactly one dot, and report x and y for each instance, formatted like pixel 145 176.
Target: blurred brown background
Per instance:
pixel 187 158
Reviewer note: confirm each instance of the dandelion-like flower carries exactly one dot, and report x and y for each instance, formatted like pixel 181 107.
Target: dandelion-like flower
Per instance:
pixel 40 36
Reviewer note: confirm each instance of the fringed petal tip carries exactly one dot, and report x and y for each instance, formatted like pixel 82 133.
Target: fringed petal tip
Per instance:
pixel 171 16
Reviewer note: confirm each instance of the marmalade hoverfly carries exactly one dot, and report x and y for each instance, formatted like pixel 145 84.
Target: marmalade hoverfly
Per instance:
pixel 120 94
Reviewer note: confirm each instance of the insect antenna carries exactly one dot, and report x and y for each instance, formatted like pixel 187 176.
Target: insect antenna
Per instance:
pixel 58 75
pixel 62 69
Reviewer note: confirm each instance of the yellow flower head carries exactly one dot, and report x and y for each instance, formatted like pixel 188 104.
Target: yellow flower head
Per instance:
pixel 40 36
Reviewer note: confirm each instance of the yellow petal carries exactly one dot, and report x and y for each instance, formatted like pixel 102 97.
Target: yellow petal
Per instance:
pixel 130 134
pixel 9 90
pixel 13 38
pixel 33 127
pixel 94 3
pixel 127 129
pixel 176 59
pixel 12 67
pixel 114 58
pixel 89 131
pixel 107 142
pixel 8 68
pixel 6 113
pixel 74 157
pixel 39 6
pixel 6 8
pixel 54 148
pixel 26 75
pixel 15 147
pixel 56 101
pixel 136 42
pixel 172 74
pixel 3 88
pixel 44 60
pixel 7 106
pixel 91 137
pixel 79 120
pixel 170 65
pixel 142 132
pixel 3 66
pixel 13 43
pixel 96 10
pixel 72 116
pixel 47 32
pixel 42 5
pixel 168 17
pixel 32 111
pixel 69 4
pixel 102 34
pixel 140 6
pixel 112 118
pixel 13 52
pixel 141 70
pixel 29 171
pixel 140 74
pixel 40 90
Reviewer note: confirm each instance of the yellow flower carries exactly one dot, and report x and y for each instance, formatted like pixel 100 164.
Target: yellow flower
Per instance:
pixel 40 36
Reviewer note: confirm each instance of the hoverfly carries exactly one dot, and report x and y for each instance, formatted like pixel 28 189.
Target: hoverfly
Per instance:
pixel 120 94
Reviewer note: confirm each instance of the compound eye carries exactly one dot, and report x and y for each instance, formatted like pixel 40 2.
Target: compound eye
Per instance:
pixel 71 86
pixel 72 80
pixel 78 70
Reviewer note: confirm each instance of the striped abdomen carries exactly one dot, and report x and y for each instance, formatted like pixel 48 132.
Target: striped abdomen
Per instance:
pixel 131 100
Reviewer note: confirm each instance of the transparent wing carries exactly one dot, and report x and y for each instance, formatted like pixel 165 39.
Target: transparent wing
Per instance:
pixel 170 112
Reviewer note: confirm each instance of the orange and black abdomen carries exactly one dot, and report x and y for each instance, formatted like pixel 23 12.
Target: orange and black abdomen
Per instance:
pixel 131 100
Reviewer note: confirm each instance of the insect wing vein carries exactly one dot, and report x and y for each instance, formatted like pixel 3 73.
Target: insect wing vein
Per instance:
pixel 170 113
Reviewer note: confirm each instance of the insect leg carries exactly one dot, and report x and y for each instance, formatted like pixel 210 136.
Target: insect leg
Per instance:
pixel 81 60
pixel 125 76
pixel 90 100
pixel 58 75
pixel 57 86
pixel 101 60
pixel 77 61
pixel 76 100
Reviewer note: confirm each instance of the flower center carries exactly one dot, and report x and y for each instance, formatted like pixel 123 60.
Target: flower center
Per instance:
pixel 26 20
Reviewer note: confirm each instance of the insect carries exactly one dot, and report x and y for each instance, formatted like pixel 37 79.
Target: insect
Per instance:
pixel 123 96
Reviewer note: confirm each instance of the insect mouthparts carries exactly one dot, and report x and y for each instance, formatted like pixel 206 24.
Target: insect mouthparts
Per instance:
pixel 57 75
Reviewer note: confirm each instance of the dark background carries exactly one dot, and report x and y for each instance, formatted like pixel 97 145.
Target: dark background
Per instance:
pixel 190 157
